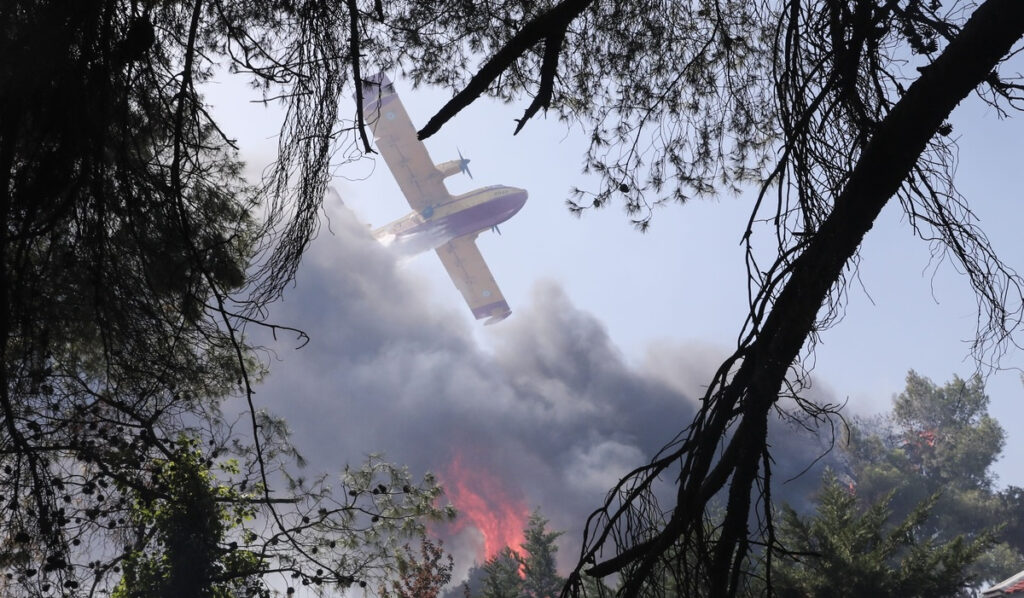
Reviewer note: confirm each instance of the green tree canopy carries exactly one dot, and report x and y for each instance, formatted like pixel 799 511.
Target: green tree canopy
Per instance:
pixel 501 575
pixel 939 441
pixel 420 576
pixel 528 573
pixel 937 438
pixel 540 578
pixel 852 548
pixel 187 554
pixel 949 430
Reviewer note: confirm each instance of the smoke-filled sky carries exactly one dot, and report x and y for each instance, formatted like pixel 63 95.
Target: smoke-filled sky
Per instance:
pixel 549 414
pixel 612 334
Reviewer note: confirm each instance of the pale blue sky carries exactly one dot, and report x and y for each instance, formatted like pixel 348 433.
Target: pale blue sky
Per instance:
pixel 683 282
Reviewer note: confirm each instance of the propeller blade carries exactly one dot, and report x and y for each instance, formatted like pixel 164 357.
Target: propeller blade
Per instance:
pixel 463 164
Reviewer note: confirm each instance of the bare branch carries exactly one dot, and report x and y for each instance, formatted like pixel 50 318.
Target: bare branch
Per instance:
pixel 550 25
pixel 548 69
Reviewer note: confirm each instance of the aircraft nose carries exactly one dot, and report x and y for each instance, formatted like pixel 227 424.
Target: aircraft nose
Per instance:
pixel 509 202
pixel 520 196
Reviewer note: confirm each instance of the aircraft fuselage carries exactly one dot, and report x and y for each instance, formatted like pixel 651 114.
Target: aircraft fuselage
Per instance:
pixel 451 218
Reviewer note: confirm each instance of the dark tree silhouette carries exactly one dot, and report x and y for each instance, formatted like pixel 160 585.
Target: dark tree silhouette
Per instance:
pixel 133 260
pixel 851 547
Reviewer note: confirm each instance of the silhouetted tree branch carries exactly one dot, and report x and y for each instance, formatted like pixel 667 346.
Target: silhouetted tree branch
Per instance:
pixel 353 19
pixel 549 26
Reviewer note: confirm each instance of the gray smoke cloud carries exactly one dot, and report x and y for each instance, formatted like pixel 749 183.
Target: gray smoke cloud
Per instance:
pixel 553 408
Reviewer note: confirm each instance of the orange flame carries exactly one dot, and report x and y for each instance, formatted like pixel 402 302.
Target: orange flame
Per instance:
pixel 485 503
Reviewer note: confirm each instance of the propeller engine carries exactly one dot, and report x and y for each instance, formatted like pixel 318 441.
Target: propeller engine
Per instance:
pixel 451 167
pixel 464 164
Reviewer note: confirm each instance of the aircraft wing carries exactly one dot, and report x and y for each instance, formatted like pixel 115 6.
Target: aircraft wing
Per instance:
pixel 404 153
pixel 469 272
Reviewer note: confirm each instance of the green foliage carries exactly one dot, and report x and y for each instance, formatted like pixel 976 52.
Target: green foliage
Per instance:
pixel 847 549
pixel 1012 503
pixel 422 576
pixel 124 230
pixel 947 430
pixel 502 578
pixel 472 586
pixel 940 440
pixel 943 436
pixel 529 573
pixel 200 536
pixel 540 579
pixel 190 518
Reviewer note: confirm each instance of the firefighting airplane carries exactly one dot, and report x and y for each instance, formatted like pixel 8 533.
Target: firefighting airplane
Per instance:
pixel 448 224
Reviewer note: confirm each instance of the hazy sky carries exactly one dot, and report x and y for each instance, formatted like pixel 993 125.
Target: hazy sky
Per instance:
pixel 612 332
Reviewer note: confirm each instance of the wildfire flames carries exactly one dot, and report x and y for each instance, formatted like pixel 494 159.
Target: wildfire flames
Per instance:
pixel 485 503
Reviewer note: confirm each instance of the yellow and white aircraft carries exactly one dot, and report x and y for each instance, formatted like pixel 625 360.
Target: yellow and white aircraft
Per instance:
pixel 448 224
